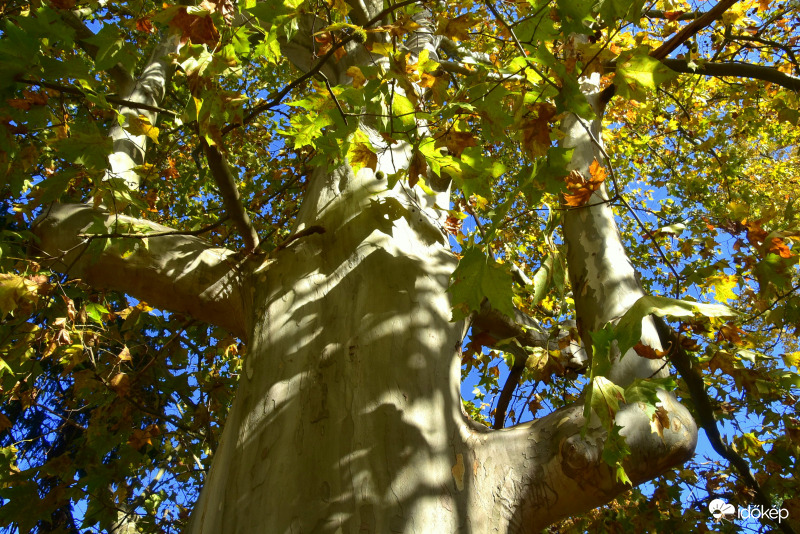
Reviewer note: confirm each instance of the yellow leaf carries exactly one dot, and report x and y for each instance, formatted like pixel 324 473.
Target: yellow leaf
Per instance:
pixel 383 49
pixel 457 28
pixel 361 156
pixel 723 285
pixel 141 126
pixel 124 355
pixel 120 383
pixel 792 359
pixel 359 80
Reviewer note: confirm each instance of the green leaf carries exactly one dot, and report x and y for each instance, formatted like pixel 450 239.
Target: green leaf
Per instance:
pixel 112 49
pixel 637 72
pixel 614 10
pixel 477 277
pixel 96 311
pixel 604 397
pixel 576 16
pixel 645 391
pixel 543 279
pixel 628 331
pixel 90 149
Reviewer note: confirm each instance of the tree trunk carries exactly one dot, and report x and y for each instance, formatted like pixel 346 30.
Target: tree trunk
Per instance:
pixel 348 412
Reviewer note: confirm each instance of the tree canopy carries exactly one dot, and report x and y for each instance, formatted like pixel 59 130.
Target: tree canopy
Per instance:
pixel 112 408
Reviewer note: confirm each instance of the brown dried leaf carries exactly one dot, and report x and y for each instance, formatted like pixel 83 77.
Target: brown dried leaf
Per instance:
pixel 418 167
pixel 646 351
pixel 120 383
pixel 198 29
pixel 660 421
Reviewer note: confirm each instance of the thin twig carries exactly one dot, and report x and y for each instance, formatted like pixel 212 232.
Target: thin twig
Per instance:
pixel 333 96
pixel 278 97
pixel 110 99
pixel 705 415
pixel 692 28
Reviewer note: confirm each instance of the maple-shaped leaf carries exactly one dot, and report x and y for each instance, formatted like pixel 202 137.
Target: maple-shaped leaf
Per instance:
pixel 581 189
pixel 456 141
pixel 197 28
pixel 458 28
pixel 723 285
pixel 536 131
pixel 359 80
pixel 360 155
pixel 639 72
pixel 604 398
pixel 477 277
pixel 141 126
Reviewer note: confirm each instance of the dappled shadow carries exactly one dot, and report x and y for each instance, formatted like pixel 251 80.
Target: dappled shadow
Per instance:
pixel 348 409
pixel 179 273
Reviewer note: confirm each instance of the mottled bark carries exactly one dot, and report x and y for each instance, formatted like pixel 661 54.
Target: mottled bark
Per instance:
pixel 348 414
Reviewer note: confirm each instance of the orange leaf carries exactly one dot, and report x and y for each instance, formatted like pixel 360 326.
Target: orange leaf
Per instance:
pixel 198 29
pixel 144 25
pixel 580 190
pixel 646 351
pixel 778 246
pixel 598 172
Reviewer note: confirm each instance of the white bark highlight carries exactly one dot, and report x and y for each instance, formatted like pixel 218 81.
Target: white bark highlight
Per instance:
pixel 149 88
pixel 604 282
pixel 177 273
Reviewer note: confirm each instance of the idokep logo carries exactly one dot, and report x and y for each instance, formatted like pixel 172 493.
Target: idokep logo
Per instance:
pixel 724 510
pixel 721 509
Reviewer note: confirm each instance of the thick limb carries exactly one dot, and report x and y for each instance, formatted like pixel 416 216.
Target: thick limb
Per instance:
pixel 178 273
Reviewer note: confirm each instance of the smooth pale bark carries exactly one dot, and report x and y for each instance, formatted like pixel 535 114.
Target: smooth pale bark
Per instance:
pixel 177 272
pixel 148 88
pixel 348 413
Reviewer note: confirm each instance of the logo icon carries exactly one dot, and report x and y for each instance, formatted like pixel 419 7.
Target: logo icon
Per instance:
pixel 721 509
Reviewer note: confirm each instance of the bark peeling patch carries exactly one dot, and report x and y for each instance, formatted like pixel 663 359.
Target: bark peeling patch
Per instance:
pixel 458 471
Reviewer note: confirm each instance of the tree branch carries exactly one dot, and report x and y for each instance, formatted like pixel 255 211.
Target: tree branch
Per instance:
pixel 659 14
pixel 692 28
pixel 507 393
pixel 111 99
pixel 278 97
pixel 705 414
pixel 221 172
pixel 736 69
pixel 179 273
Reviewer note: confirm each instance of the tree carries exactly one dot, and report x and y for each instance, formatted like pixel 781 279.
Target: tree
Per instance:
pixel 293 173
